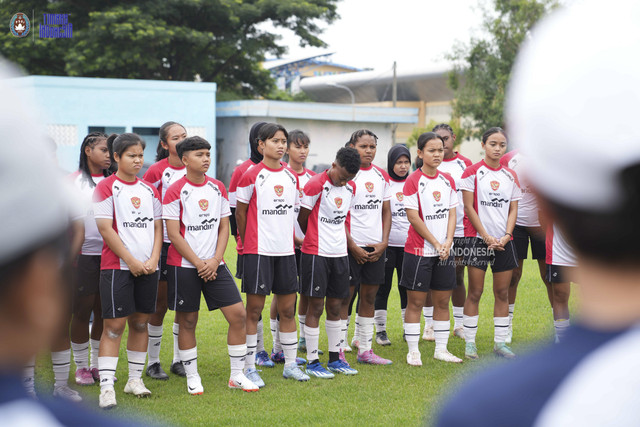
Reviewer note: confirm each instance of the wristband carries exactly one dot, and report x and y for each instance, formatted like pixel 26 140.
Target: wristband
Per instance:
pixel 509 234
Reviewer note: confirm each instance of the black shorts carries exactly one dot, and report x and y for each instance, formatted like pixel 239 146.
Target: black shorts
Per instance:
pixel 560 273
pixel 263 274
pixel 185 287
pixel 393 257
pixel 369 273
pixel 459 243
pixel 122 294
pixel 239 265
pixel 86 275
pixel 521 237
pixel 163 261
pixel 477 255
pixel 324 276
pixel 421 273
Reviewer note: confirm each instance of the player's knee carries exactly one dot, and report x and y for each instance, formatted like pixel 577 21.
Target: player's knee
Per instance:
pixel 560 295
pixel 113 332
pixel 286 312
pixel 138 326
pixel 315 309
pixel 501 294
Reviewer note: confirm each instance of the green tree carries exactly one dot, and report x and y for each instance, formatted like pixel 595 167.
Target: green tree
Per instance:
pixel 482 67
pixel 222 41
pixel 458 130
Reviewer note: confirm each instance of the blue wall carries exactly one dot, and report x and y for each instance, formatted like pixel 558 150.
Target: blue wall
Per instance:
pixel 88 102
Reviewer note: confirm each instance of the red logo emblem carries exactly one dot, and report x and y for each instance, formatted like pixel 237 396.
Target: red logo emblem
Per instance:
pixel 495 185
pixel 369 186
pixel 279 189
pixel 399 196
pixel 338 201
pixel 135 201
pixel 437 195
pixel 204 204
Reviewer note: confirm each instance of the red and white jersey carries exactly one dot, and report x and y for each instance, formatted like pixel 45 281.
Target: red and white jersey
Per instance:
pixel 303 178
pixel 199 208
pixel 235 179
pixel 162 175
pixel 455 167
pixel 528 206
pixel 399 221
pixel 365 216
pixel 272 196
pixel 329 205
pixel 559 252
pixel 92 239
pixel 493 191
pixel 133 207
pixel 432 197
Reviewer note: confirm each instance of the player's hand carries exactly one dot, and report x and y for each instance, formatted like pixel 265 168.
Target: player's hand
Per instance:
pixel 298 242
pixel 361 256
pixel 497 244
pixel 209 269
pixel 378 251
pixel 445 250
pixel 136 267
pixel 150 266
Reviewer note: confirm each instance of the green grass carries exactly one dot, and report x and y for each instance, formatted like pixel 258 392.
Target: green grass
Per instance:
pixel 378 395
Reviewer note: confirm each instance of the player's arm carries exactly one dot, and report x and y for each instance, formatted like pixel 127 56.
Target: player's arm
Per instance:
pixel 210 270
pixel 451 230
pixel 151 265
pixel 421 228
pixel 467 197
pixel 241 218
pixel 181 245
pixel 379 248
pixel 111 238
pixel 356 251
pixel 77 239
pixel 511 223
pixel 303 218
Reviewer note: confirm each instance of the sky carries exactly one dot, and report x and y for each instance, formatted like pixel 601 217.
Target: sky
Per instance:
pixel 374 33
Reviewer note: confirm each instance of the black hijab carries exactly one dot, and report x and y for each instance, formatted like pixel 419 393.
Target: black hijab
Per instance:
pixel 395 153
pixel 256 157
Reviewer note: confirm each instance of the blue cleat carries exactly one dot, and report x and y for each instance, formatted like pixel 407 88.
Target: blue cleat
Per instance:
pixel 279 358
pixel 253 376
pixel 262 359
pixel 292 371
pixel 341 367
pixel 317 370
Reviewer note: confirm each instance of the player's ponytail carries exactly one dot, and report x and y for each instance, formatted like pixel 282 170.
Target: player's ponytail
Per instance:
pixel 83 165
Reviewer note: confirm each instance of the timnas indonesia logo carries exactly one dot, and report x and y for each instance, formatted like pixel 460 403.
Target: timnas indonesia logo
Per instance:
pixel 400 196
pixel 204 204
pixel 279 189
pixel 55 26
pixel 369 186
pixel 338 201
pixel 437 195
pixel 135 201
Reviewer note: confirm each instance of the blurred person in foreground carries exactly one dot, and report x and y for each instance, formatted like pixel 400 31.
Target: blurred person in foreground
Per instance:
pixel 34 219
pixel 572 108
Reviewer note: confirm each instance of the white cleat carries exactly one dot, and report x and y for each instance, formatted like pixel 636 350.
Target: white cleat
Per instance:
pixel 240 381
pixel 194 385
pixel 347 349
pixel 459 332
pixel 66 393
pixel 107 398
pixel 445 356
pixel 429 334
pixel 355 342
pixel 136 387
pixel 413 358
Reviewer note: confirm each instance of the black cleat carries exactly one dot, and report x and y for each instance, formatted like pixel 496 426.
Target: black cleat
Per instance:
pixel 178 369
pixel 156 372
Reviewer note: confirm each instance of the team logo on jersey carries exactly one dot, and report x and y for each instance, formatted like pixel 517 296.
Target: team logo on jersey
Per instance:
pixel 495 185
pixel 369 186
pixel 279 189
pixel 437 195
pixel 135 201
pixel 19 25
pixel 204 204
pixel 338 201
pixel 399 196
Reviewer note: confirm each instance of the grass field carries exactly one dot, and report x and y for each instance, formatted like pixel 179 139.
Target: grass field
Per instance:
pixel 378 395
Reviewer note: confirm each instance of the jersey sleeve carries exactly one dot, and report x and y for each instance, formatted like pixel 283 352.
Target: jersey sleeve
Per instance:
pixel 225 208
pixel 296 203
pixel 311 193
pixel 410 191
pixel 453 197
pixel 233 185
pixel 103 200
pixel 516 193
pixel 157 204
pixel 171 203
pixel 387 187
pixel 468 179
pixel 153 175
pixel 245 188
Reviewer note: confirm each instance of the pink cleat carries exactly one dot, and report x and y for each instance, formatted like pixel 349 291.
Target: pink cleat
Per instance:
pixel 370 358
pixel 84 377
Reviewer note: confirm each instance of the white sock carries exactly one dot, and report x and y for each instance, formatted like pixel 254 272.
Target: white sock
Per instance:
pixel 237 355
pixel 155 339
pixel 81 354
pixel 334 337
pixel 176 348
pixel 457 317
pixel 501 328
pixel 380 317
pixel 561 326
pixel 302 318
pixel 28 374
pixel 61 361
pixel 511 308
pixel 260 335
pixel 107 370
pixel 402 312
pixel 470 327
pixel 136 361
pixel 189 360
pixel 356 330
pixel 289 342
pixel 275 334
pixel 312 337
pixel 441 332
pixel 412 334
pixel 250 359
pixel 95 351
pixel 344 332
pixel 427 313
pixel 366 333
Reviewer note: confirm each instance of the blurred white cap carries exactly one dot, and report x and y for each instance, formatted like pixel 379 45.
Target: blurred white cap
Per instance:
pixel 34 200
pixel 573 104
